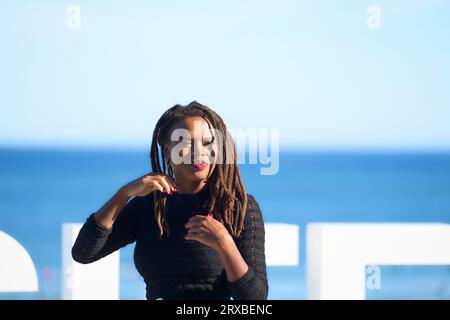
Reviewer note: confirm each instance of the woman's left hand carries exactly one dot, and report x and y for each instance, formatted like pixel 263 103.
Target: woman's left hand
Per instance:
pixel 208 231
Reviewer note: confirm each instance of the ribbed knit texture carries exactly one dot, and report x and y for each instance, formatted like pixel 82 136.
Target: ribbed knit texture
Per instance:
pixel 174 268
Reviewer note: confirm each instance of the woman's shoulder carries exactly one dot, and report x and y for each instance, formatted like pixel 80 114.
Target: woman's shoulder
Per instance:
pixel 251 201
pixel 148 199
pixel 138 205
pixel 253 221
pixel 253 212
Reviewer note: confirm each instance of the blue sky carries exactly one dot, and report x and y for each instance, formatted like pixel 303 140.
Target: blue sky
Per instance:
pixel 311 69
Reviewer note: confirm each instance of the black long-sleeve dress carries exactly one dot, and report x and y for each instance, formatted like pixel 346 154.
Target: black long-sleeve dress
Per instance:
pixel 174 268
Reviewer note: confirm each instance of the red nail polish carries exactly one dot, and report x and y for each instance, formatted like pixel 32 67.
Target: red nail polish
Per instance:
pixel 210 214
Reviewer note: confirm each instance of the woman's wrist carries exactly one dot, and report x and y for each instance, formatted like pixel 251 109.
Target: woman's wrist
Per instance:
pixel 226 245
pixel 122 194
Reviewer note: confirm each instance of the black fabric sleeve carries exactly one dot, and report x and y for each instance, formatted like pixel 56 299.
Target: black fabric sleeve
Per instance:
pixel 95 241
pixel 253 284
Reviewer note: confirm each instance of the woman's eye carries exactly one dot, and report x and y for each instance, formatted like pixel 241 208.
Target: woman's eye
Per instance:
pixel 207 143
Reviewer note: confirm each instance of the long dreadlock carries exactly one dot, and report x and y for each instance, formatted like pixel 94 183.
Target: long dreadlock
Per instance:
pixel 227 191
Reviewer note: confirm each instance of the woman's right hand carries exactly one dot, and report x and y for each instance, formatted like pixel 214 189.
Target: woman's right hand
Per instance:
pixel 148 183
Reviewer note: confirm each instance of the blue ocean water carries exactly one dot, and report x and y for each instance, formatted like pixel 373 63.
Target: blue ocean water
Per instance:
pixel 42 189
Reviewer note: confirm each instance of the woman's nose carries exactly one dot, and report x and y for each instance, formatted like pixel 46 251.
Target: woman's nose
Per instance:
pixel 198 150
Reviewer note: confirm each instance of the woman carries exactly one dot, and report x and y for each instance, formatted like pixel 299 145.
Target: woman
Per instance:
pixel 198 234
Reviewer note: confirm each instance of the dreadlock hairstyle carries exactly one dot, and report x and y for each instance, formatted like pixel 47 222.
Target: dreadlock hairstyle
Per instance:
pixel 227 194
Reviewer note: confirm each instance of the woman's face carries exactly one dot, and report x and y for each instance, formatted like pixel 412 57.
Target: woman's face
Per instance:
pixel 192 149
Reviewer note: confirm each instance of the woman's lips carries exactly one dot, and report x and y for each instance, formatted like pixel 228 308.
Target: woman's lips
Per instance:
pixel 199 165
